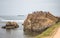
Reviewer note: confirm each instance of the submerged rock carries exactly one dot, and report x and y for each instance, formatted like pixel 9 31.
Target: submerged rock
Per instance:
pixel 38 21
pixel 11 25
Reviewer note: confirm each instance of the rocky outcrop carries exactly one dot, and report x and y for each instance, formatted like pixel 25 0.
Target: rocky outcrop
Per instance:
pixel 38 21
pixel 58 19
pixel 11 25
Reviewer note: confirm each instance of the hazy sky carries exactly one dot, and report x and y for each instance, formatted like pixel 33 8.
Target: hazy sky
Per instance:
pixel 17 7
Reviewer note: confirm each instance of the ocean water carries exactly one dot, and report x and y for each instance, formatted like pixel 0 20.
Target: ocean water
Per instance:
pixel 13 33
pixel 19 18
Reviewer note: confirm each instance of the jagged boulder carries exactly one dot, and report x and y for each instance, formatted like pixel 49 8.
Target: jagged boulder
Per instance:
pixel 11 25
pixel 38 21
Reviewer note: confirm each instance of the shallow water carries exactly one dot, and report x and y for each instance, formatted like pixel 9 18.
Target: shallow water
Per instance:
pixel 14 33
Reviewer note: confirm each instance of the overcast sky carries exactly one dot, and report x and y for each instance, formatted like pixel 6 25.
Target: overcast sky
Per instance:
pixel 17 7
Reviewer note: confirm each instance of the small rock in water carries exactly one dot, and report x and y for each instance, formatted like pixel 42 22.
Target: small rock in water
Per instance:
pixel 10 25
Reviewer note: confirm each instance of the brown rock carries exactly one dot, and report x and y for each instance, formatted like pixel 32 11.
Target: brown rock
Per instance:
pixel 38 21
pixel 58 19
pixel 11 25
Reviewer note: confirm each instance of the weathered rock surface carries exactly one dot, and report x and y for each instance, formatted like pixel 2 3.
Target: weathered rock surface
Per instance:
pixel 38 21
pixel 11 25
pixel 58 19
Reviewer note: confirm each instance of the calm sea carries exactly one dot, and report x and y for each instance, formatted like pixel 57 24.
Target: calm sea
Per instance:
pixel 13 33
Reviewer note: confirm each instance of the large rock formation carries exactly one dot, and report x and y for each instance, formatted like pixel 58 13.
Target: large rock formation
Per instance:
pixel 11 25
pixel 38 21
